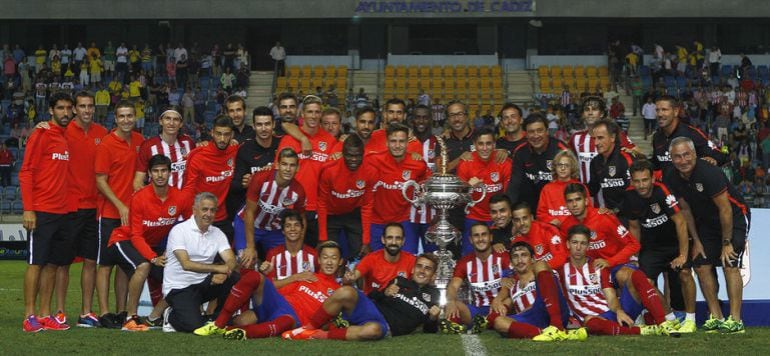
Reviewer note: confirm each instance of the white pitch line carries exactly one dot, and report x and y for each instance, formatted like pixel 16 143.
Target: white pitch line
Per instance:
pixel 473 346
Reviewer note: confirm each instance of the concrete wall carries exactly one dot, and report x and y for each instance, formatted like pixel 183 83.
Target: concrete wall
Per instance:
pixel 290 9
pixel 428 60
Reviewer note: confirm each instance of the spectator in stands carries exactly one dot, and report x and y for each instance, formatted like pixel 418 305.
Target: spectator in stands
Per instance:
pixel 7 160
pixel 649 115
pixel 715 55
pixel 637 89
pixel 227 79
pixel 278 54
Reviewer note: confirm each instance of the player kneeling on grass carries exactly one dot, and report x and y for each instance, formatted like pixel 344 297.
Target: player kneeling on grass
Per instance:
pixel 397 310
pixel 530 304
pixel 593 299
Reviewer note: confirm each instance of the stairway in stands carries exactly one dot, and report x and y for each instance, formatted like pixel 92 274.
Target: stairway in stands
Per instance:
pixel 260 85
pixel 636 127
pixel 520 86
pixel 366 79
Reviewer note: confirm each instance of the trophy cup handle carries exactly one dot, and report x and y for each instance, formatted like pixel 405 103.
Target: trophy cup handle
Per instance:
pixel 474 202
pixel 406 186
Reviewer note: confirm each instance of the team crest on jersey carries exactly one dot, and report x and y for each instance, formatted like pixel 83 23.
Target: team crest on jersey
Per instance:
pixel 322 145
pixel 611 171
pixel 172 210
pixel 426 297
pixel 494 176
pixel 329 291
pixel 655 208
pixel 360 184
pixel 431 154
pixel 699 187
pixel 230 162
pixel 406 174
pixel 289 200
pixel 555 240
pixel 593 235
pixel 97 140
pixel 495 269
pixel 539 249
pixel 549 164
pixel 594 277
pixel 305 266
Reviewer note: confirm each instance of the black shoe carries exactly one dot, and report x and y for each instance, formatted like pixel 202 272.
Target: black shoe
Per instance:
pixel 111 321
pixel 152 323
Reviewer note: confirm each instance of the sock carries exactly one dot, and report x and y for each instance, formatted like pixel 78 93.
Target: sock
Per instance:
pixel 456 320
pixel 648 319
pixel 269 328
pixel 547 289
pixel 670 316
pixel 599 326
pixel 689 316
pixel 239 295
pixel 492 317
pixel 320 318
pixel 648 295
pixel 156 290
pixel 522 331
pixel 337 334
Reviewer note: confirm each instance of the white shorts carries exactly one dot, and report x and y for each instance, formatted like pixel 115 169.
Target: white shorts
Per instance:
pixel 109 65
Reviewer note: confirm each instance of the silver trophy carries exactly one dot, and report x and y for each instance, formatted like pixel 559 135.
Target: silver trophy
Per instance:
pixel 442 191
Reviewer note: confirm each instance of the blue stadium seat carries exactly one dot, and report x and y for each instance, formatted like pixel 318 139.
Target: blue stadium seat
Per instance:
pixel 681 82
pixel 5 207
pixel 727 70
pixel 763 72
pixel 15 179
pixel 644 71
pixel 9 193
pixel 17 207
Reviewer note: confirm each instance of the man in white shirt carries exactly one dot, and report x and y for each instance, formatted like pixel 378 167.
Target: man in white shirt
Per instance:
pixel 191 276
pixel 649 115
pixel 121 63
pixel 278 53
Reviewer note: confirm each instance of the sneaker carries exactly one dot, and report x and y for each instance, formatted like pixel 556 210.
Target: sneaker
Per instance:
pixel 156 323
pixel 60 317
pixel 300 333
pixel 579 334
pixel 167 328
pixel 712 325
pixel 340 322
pixel 732 326
pixel 134 324
pixel 235 334
pixel 31 325
pixel 111 321
pixel 670 326
pixel 50 323
pixel 650 330
pixel 687 327
pixel 450 327
pixel 551 333
pixel 209 329
pixel 89 320
pixel 479 324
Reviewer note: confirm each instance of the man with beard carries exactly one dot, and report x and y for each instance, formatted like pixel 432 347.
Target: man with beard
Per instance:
pixel 331 121
pixel 483 270
pixel 484 174
pixel 170 143
pixel 532 162
pixel 722 222
pixel 669 127
pixel 115 165
pixel 543 238
pixel 210 169
pixel 364 124
pixel 582 143
pixel 235 109
pixel 254 155
pixel 398 310
pixel 345 199
pixel 393 112
pixel 287 112
pixel 502 221
pixel 510 122
pixel 380 267
pixel 44 195
pixel 421 216
pixel 269 193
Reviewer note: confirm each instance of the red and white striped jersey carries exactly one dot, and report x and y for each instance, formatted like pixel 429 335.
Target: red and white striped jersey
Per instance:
pixel 423 214
pixel 272 199
pixel 523 296
pixel 582 144
pixel 483 276
pixel 583 286
pixel 285 265
pixel 177 153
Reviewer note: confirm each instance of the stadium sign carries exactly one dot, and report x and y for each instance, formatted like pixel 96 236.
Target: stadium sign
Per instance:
pixel 412 7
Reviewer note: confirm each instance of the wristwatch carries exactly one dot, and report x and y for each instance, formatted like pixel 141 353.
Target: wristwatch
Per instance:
pixel 726 242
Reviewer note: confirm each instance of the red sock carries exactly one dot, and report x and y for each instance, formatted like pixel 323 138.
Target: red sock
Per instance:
pixel 522 331
pixel 492 317
pixel 239 295
pixel 156 290
pixel 547 289
pixel 599 326
pixel 338 334
pixel 649 296
pixel 456 320
pixel 269 328
pixel 320 318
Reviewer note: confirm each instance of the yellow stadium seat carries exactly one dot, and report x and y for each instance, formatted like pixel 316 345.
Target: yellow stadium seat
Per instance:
pixel 341 83
pixel 485 82
pixel 435 71
pixel 281 83
pixel 400 70
pixel 390 70
pixel 342 71
pixel 542 71
pixel 318 71
pixel 294 71
pixel 425 71
pixel 484 71
pixel 412 83
pixel 449 71
pixel 306 71
pixel 449 83
pixel 436 83
pixel 390 83
pixel 412 71
pixel 400 83
pixel 473 82
pixel 473 71
pixel 603 71
pixel 580 71
pixel 330 72
pixel 567 71
pixel 496 71
pixel 555 71
pixel 591 71
pixel 497 83
pixel 556 83
pixel 293 83
pixel 461 71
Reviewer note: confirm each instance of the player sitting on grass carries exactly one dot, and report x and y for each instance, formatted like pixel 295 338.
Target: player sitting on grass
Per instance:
pixel 530 304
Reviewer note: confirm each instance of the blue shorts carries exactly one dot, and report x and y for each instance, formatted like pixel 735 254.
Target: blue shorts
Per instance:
pixel 419 231
pixel 617 268
pixel 410 237
pixel 628 304
pixel 538 316
pixel 265 238
pixel 366 312
pixel 483 311
pixel 273 305
pixel 466 245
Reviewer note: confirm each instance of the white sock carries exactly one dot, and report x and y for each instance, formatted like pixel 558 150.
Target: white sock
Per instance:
pixel 670 316
pixel 690 317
